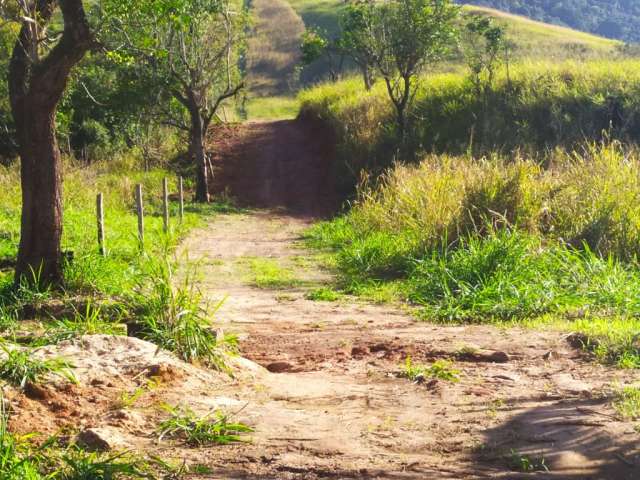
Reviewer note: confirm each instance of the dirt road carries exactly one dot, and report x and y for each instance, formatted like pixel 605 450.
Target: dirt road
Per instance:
pixel 329 402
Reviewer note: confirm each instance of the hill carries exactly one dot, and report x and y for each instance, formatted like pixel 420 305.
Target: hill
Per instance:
pixel 530 39
pixel 619 20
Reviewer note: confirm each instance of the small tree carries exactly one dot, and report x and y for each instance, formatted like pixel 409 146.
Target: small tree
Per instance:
pixel 316 45
pixel 39 70
pixel 356 40
pixel 196 58
pixel 483 43
pixel 409 35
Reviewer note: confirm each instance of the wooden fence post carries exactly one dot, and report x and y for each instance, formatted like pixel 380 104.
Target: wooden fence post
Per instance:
pixel 165 204
pixel 140 210
pixel 181 191
pixel 100 215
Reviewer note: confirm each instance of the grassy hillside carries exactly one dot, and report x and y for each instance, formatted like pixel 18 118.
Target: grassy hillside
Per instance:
pixel 529 39
pixel 535 107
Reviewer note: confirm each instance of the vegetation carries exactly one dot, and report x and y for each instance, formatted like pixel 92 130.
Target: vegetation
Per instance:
pixel 627 402
pixel 615 20
pixel 504 240
pixel 530 107
pixel 214 428
pixel 21 367
pixel 439 370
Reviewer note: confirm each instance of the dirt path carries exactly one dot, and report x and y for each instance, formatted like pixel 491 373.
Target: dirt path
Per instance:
pixel 337 410
pixel 331 404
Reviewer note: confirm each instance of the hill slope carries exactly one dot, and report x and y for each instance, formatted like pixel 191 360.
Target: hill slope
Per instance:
pixel 620 20
pixel 530 39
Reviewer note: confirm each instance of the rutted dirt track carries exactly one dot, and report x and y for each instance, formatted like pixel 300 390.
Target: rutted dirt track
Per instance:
pixel 333 406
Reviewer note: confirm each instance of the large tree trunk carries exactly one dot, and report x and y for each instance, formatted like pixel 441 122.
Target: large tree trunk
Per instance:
pixel 39 255
pixel 199 156
pixel 36 85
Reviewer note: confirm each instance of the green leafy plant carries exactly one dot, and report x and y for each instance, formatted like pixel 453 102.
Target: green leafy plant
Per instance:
pixel 323 294
pixel 20 367
pixel 213 428
pixel 523 463
pixel 440 369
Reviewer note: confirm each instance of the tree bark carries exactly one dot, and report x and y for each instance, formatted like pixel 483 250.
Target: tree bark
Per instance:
pixel 35 88
pixel 199 154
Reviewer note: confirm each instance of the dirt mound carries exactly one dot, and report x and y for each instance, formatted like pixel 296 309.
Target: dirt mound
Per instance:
pixel 115 376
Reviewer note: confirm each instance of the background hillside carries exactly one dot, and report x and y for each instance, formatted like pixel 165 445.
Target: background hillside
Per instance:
pixel 614 19
pixel 529 39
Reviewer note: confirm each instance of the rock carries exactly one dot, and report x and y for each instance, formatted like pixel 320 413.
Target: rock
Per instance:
pixel 162 372
pixel 567 383
pixel 279 367
pixel 103 439
pixel 485 356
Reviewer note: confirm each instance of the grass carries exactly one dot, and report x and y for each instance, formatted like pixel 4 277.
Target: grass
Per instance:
pixel 20 367
pixel 440 370
pixel 271 108
pixel 269 274
pixel 531 108
pixel 627 403
pixel 323 294
pixel 496 241
pixel 175 316
pixel 198 431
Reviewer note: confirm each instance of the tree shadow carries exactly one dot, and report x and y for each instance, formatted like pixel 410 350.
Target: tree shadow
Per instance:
pixel 568 439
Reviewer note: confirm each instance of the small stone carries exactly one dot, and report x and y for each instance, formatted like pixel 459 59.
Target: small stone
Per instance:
pixel 101 440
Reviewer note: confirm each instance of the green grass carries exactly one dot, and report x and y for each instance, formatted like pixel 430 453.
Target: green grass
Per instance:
pixel 627 403
pixel 20 367
pixel 324 294
pixel 531 108
pixel 198 431
pixel 269 274
pixel 174 315
pixel 440 370
pixel 508 242
pixel 272 108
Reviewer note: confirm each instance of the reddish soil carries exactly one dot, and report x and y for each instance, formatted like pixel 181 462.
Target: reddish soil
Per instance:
pixel 275 164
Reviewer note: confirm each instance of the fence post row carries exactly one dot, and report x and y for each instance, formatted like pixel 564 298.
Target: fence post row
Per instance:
pixel 165 204
pixel 140 211
pixel 100 215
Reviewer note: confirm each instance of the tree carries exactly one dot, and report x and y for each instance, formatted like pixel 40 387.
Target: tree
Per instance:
pixel 409 35
pixel 483 42
pixel 39 70
pixel 356 38
pixel 315 45
pixel 195 56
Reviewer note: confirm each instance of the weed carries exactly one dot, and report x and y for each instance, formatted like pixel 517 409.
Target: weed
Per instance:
pixel 77 464
pixel 214 428
pixel 323 294
pixel 88 322
pixel 440 369
pixel 524 463
pixel 176 318
pixel 627 402
pixel 20 367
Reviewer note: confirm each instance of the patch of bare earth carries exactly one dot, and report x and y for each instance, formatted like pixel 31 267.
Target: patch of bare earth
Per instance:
pixel 336 408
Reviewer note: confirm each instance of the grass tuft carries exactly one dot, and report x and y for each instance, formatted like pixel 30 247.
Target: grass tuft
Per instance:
pixel 212 429
pixel 20 367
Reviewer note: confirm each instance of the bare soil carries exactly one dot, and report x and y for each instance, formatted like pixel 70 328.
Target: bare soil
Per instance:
pixel 337 408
